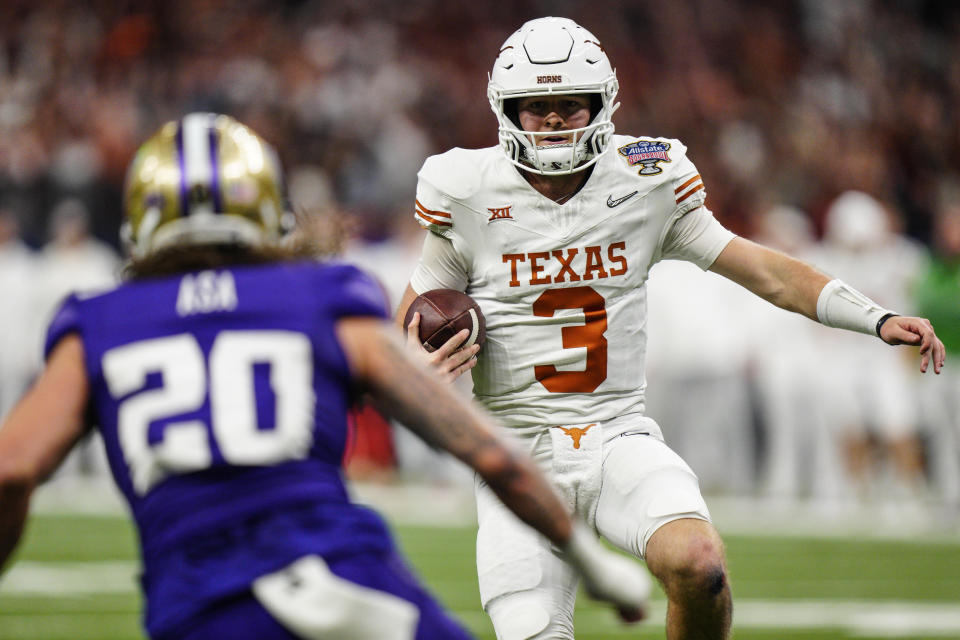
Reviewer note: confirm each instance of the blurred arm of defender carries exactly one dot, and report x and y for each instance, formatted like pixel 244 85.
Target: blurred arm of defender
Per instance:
pixel 49 421
pixel 796 286
pixel 38 434
pixel 408 391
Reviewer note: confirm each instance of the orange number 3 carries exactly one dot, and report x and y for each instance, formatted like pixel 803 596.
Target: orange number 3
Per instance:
pixel 589 335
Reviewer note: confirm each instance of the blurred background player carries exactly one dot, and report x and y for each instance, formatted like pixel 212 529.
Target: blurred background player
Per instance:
pixel 699 347
pixel 868 393
pixel 72 261
pixel 553 232
pixel 219 376
pixel 19 331
pixel 937 295
pixel 797 449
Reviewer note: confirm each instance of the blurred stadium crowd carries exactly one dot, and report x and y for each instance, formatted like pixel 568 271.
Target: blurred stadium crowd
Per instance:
pixel 793 112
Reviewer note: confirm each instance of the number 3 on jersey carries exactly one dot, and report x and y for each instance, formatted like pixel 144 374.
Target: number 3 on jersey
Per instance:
pixel 589 335
pixel 227 377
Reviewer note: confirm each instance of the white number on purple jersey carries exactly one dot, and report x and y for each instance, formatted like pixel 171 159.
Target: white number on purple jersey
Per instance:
pixel 229 377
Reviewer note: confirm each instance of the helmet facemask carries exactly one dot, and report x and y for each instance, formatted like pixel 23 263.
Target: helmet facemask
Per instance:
pixel 551 57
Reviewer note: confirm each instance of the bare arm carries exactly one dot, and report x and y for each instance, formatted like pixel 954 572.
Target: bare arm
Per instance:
pixel 411 394
pixel 776 277
pixel 796 286
pixel 38 434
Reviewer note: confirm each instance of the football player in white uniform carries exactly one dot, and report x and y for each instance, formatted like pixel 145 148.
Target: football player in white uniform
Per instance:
pixel 553 233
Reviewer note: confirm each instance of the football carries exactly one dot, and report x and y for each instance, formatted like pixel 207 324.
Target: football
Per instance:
pixel 443 313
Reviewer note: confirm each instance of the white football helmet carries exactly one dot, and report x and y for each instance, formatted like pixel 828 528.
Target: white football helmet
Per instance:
pixel 856 220
pixel 553 56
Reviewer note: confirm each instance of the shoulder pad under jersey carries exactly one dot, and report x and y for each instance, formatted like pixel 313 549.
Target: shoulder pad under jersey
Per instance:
pixel 445 180
pixel 456 173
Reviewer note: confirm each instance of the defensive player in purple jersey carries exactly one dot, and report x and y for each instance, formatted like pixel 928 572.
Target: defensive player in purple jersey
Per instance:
pixel 220 375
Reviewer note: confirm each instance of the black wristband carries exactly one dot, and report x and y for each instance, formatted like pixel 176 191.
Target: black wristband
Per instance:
pixel 883 319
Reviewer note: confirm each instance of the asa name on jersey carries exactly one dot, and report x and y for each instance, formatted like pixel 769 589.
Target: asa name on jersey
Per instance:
pixel 565 265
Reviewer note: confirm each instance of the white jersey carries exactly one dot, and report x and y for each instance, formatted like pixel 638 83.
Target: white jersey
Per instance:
pixel 562 287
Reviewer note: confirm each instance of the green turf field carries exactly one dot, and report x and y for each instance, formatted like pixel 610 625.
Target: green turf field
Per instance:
pixel 75 580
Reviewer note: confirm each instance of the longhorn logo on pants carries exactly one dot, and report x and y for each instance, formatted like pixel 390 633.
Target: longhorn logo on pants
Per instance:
pixel 576 433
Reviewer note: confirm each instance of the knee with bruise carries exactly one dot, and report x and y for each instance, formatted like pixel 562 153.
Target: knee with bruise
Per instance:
pixel 701 569
pixel 716 581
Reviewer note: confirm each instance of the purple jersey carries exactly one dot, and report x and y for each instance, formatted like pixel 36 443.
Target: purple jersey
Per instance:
pixel 222 400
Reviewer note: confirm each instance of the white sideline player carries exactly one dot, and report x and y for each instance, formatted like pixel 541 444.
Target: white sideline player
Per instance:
pixel 553 232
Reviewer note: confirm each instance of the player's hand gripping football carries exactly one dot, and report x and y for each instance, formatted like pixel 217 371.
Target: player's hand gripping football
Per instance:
pixel 449 362
pixel 608 576
pixel 915 331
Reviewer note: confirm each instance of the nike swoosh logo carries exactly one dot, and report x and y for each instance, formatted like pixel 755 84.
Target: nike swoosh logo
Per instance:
pixel 615 203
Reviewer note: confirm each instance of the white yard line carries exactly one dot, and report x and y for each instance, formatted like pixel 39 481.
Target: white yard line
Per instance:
pixel 68 579
pixel 861 617
pixel 852 618
pixel 878 618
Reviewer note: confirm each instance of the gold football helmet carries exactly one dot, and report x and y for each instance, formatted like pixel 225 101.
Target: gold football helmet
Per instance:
pixel 205 179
